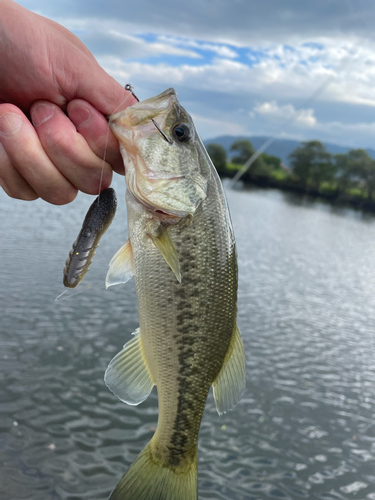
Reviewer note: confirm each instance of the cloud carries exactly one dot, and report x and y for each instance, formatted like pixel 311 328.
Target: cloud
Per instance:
pixel 342 64
pixel 221 50
pixel 343 72
pixel 287 83
pixel 289 122
pixel 108 39
pixel 240 22
pixel 286 113
pixel 244 65
pixel 153 48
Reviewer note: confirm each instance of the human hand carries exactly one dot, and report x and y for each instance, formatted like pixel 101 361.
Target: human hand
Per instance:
pixel 47 73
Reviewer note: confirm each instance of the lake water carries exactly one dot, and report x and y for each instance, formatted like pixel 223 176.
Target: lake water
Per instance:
pixel 306 425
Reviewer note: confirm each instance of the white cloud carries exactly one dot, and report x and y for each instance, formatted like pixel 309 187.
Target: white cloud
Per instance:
pixel 338 129
pixel 343 66
pixel 274 90
pixel 326 59
pixel 116 38
pixel 341 71
pixel 221 50
pixel 238 22
pixel 153 48
pixel 286 113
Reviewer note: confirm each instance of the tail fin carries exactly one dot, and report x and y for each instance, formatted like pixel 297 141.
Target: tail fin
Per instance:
pixel 148 479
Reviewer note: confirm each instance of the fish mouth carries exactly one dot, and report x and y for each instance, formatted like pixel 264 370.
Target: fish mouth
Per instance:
pixel 152 157
pixel 143 119
pixel 145 111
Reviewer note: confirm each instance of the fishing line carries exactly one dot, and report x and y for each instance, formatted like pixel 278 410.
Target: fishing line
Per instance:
pixel 103 162
pixel 87 286
pixel 69 293
pixel 59 296
pixel 129 88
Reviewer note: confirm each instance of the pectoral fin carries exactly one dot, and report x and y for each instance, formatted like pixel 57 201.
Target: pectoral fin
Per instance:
pixel 165 246
pixel 127 375
pixel 229 385
pixel 121 266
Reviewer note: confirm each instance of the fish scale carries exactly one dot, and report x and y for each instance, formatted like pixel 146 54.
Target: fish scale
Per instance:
pixel 182 252
pixel 192 324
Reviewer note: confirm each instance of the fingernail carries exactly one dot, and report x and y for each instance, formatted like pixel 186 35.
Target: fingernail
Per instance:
pixel 10 123
pixel 79 115
pixel 41 112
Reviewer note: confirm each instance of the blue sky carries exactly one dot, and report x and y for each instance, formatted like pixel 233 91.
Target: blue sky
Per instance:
pixel 292 69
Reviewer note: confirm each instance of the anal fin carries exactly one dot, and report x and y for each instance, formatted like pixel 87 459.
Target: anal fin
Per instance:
pixel 229 385
pixel 127 375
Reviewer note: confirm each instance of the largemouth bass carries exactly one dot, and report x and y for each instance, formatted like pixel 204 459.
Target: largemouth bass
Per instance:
pixel 181 251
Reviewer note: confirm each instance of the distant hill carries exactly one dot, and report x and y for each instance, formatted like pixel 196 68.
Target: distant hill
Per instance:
pixel 281 147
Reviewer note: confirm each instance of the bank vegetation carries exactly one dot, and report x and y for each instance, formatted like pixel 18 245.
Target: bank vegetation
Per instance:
pixel 312 170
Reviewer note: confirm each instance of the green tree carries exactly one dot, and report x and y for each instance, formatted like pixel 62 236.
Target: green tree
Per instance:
pixel 272 161
pixel 218 156
pixel 245 150
pixel 345 177
pixel 312 164
pixel 359 166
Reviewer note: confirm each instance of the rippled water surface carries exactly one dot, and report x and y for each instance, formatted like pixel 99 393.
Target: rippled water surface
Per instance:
pixel 306 425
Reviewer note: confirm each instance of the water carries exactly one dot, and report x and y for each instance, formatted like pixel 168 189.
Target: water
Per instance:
pixel 306 425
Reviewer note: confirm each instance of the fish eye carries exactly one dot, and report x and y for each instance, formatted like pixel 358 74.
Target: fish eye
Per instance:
pixel 181 132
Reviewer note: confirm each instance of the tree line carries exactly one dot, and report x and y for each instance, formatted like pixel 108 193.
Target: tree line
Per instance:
pixel 311 168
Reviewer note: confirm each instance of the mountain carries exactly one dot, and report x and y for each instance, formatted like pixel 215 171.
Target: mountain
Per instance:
pixel 280 147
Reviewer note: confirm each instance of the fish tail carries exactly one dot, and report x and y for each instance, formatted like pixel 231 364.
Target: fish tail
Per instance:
pixel 149 478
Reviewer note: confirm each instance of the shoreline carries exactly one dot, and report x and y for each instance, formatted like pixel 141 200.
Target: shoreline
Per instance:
pixel 334 197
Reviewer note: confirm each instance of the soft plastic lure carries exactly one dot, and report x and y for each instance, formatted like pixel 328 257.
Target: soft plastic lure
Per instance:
pixel 97 221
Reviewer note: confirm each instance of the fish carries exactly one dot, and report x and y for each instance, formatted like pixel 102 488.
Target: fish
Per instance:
pixel 98 219
pixel 181 251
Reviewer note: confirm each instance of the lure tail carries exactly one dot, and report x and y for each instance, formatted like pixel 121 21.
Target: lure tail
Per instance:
pixel 150 479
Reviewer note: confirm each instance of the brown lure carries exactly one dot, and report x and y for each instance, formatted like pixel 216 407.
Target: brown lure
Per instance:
pixel 98 219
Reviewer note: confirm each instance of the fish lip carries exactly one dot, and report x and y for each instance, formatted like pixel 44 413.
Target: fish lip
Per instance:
pixel 141 118
pixel 111 117
pixel 150 104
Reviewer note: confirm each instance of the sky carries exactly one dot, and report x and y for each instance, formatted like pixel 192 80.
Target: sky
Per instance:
pixel 283 68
